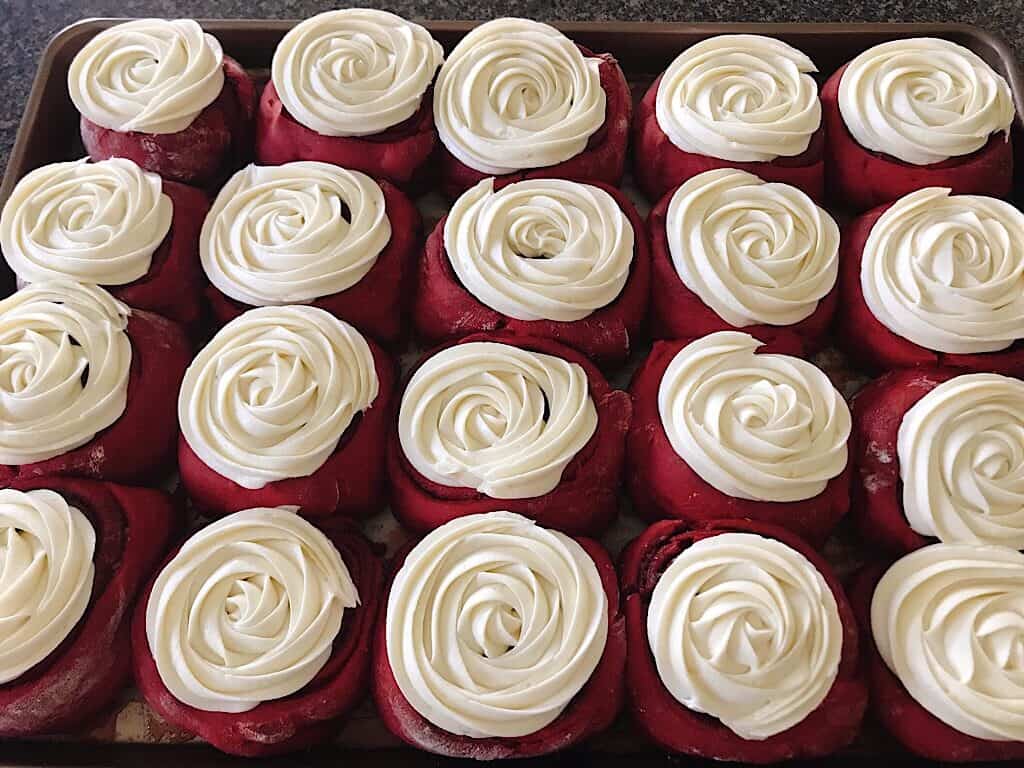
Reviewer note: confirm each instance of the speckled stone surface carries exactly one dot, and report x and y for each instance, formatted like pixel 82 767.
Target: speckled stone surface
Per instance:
pixel 26 25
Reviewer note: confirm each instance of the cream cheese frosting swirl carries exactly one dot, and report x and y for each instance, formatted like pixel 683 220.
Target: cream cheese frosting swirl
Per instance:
pixel 499 419
pixel 744 98
pixel 961 454
pixel 283 234
pixel 247 611
pixel 93 222
pixel 517 94
pixel 354 72
pixel 755 426
pixel 64 364
pixel 947 271
pixel 744 628
pixel 148 75
pixel 273 392
pixel 541 249
pixel 494 624
pixel 923 100
pixel 752 251
pixel 948 620
pixel 46 576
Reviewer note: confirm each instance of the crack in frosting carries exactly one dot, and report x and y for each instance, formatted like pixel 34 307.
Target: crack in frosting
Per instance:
pixel 494 624
pixel 493 417
pixel 148 75
pixel 961 454
pixel 744 628
pixel 763 427
pixel 46 576
pixel 247 611
pixel 354 72
pixel 273 392
pixel 291 233
pixel 946 271
pixel 542 249
pixel 64 364
pixel 517 94
pixel 744 98
pixel 92 222
pixel 923 100
pixel 752 251
pixel 948 620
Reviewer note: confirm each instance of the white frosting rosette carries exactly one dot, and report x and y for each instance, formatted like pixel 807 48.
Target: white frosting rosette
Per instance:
pixel 92 222
pixel 752 251
pixel 64 364
pixel 494 624
pixel 247 611
pixel 961 454
pixel 541 249
pixel 354 72
pixel 517 94
pixel 273 392
pixel 923 100
pixel 947 271
pixel 46 575
pixel 148 75
pixel 744 98
pixel 744 628
pixel 761 427
pixel 948 620
pixel 283 234
pixel 493 417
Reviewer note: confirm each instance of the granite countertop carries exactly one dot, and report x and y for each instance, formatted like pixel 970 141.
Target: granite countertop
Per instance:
pixel 26 25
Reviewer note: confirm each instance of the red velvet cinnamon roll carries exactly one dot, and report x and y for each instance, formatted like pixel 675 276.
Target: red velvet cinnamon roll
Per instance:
pixel 286 406
pixel 935 279
pixel 548 258
pixel 944 629
pixel 352 87
pixel 87 385
pixel 733 101
pixel 939 457
pixel 722 430
pixel 73 555
pixel 163 94
pixel 731 252
pixel 909 114
pixel 518 98
pixel 501 639
pixel 743 646
pixel 255 634
pixel 498 421
pixel 113 224
pixel 309 232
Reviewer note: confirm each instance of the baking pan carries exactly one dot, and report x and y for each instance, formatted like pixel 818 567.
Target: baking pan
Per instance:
pixel 131 735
